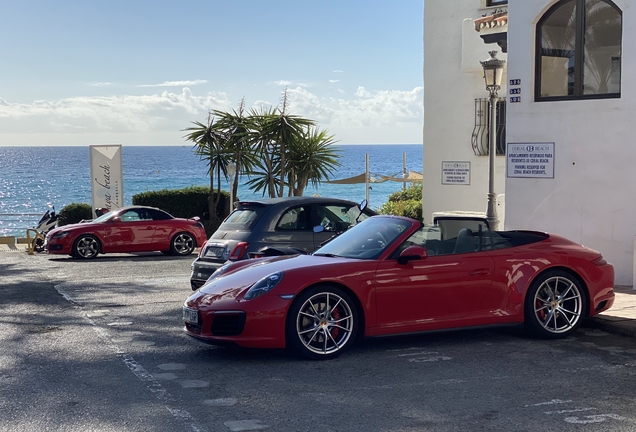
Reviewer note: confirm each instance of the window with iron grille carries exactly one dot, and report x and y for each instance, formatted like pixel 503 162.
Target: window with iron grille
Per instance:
pixel 479 139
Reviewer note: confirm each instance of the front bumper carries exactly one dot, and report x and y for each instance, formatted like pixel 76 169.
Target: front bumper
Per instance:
pixel 254 325
pixel 57 246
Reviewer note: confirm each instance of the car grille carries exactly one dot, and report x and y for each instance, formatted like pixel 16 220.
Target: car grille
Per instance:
pixel 228 323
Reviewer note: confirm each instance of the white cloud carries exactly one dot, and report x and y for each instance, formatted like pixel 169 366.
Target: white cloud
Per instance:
pixel 286 83
pixel 385 116
pixel 175 83
pixel 338 71
pixel 333 81
pixel 101 84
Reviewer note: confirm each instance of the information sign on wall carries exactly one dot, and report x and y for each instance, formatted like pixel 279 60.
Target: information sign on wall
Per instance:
pixel 532 160
pixel 455 173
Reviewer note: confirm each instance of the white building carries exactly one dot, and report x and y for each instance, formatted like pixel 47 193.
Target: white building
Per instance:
pixel 570 109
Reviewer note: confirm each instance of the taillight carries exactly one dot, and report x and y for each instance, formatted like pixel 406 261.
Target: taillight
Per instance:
pixel 202 248
pixel 239 251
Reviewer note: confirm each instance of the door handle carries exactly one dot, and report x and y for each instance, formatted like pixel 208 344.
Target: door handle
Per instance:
pixel 479 272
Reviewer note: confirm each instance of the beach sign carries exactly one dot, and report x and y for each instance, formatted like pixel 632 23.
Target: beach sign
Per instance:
pixel 107 180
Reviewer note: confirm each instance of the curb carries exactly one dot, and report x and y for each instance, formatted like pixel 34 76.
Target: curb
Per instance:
pixel 21 247
pixel 613 324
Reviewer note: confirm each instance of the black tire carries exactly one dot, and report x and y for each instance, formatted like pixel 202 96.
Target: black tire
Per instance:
pixel 322 323
pixel 182 244
pixel 555 305
pixel 38 245
pixel 86 247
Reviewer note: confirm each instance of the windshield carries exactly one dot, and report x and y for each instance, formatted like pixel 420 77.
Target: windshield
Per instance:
pixel 104 217
pixel 366 240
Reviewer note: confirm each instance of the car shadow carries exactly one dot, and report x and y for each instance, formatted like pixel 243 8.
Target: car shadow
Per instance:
pixel 139 256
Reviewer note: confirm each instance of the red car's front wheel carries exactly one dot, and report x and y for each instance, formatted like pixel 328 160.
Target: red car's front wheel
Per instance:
pixel 86 247
pixel 322 322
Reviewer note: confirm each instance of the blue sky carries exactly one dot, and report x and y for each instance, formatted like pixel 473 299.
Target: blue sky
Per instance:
pixel 138 72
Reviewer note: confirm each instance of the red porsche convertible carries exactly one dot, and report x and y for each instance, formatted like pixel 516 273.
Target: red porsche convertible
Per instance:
pixel 128 229
pixel 392 275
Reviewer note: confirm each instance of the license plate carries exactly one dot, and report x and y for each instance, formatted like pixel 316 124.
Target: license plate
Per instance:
pixel 190 316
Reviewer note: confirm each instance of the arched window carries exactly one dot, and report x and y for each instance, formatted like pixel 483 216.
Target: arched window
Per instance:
pixel 579 51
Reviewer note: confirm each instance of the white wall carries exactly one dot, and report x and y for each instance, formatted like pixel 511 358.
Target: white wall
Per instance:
pixel 453 78
pixel 592 198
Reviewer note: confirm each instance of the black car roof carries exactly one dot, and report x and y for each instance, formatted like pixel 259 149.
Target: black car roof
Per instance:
pixel 295 200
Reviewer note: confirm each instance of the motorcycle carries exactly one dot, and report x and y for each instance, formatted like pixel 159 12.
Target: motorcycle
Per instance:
pixel 47 222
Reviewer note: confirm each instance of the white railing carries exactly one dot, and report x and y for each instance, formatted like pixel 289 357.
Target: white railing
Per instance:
pixel 16 224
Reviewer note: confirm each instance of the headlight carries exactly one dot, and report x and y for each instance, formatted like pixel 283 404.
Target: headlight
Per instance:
pixel 264 285
pixel 60 234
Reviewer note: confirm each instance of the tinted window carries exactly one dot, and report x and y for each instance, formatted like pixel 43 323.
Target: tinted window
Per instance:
pixel 135 215
pixel 242 218
pixel 338 217
pixel 297 218
pixel 158 214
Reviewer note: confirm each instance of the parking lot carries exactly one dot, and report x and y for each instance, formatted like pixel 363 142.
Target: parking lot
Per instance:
pixel 97 345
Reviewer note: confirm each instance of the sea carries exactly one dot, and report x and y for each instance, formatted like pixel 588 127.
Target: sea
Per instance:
pixel 32 179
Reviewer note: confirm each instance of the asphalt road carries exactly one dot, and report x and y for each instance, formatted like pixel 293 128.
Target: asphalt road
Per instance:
pixel 98 346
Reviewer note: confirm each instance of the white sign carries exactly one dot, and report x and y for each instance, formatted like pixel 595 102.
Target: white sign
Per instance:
pixel 455 173
pixel 107 181
pixel 533 160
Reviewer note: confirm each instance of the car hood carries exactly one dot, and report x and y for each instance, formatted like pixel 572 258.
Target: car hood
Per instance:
pixel 238 277
pixel 70 227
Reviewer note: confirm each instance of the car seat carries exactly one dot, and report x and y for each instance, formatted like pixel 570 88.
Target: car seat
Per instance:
pixel 465 241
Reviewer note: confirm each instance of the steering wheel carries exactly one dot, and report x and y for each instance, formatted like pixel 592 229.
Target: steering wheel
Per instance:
pixel 327 224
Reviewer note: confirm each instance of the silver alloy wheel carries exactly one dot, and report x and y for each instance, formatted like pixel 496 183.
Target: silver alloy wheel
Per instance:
pixel 183 244
pixel 86 247
pixel 558 304
pixel 324 323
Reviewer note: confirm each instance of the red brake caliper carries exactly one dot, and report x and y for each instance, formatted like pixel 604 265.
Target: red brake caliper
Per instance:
pixel 335 314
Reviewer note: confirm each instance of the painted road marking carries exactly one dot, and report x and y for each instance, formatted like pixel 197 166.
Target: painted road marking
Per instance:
pixel 144 376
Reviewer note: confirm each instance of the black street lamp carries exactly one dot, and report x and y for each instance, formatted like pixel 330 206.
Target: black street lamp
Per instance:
pixel 493 72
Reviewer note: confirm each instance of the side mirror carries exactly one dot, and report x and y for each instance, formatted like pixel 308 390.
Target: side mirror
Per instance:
pixel 412 253
pixel 116 219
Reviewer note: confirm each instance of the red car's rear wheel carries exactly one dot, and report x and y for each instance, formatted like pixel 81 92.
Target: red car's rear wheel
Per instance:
pixel 322 322
pixel 555 305
pixel 182 244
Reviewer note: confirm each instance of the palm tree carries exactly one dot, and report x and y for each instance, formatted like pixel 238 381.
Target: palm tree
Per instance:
pixel 238 129
pixel 268 161
pixel 311 159
pixel 281 130
pixel 211 145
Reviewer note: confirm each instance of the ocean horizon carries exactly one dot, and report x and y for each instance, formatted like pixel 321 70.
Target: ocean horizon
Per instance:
pixel 35 177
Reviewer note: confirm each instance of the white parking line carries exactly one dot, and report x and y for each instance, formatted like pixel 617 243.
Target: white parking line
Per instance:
pixel 144 376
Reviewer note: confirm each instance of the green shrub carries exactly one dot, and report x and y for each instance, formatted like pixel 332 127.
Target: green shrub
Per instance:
pixel 413 192
pixel 74 213
pixel 406 202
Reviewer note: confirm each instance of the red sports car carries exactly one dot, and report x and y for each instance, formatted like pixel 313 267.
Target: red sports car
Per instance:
pixel 128 229
pixel 392 275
